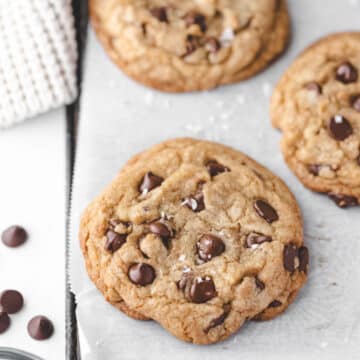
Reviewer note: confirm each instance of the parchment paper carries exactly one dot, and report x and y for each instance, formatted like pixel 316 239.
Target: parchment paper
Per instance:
pixel 120 118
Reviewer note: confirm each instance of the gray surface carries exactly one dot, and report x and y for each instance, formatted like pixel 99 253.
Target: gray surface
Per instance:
pixel 120 118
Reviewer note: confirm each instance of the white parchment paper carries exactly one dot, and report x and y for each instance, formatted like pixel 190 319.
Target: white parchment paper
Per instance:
pixel 120 118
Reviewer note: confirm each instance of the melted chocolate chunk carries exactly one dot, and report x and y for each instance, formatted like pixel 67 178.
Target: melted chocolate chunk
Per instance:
pixel 114 241
pixel 202 290
pixel 219 320
pixel 346 73
pixel 314 169
pixel 274 304
pixel 259 284
pixel 303 254
pixel 160 13
pixel 192 43
pixel 315 87
pixel 214 168
pixel 266 211
pixel 344 201
pixel 194 18
pixel 141 274
pixel 149 182
pixel 212 45
pixel 209 246
pixel 256 239
pixel 289 255
pixel 340 128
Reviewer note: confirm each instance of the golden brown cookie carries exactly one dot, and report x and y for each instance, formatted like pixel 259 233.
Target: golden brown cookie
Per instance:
pixel 191 45
pixel 317 106
pixel 198 237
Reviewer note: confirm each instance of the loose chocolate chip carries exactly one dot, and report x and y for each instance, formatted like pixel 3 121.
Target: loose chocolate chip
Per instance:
pixel 195 202
pixel 160 13
pixel 344 201
pixel 256 239
pixel 355 102
pixel 194 18
pixel 114 241
pixel 340 128
pixel 346 73
pixel 315 87
pixel 150 182
pixel 289 256
pixel 303 254
pixel 40 328
pixel 11 301
pixel 14 236
pixel 219 320
pixel 209 246
pixel 214 168
pixel 314 169
pixel 259 284
pixel 212 45
pixel 4 321
pixel 275 304
pixel 266 211
pixel 202 290
pixel 141 274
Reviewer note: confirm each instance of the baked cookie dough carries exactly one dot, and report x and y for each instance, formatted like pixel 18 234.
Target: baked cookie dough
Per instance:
pixel 317 106
pixel 198 237
pixel 189 45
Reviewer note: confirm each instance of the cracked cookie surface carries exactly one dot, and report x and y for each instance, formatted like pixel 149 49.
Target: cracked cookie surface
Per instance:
pixel 317 106
pixel 198 237
pixel 191 45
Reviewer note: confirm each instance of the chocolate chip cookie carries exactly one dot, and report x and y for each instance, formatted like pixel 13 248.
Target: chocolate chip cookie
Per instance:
pixel 317 106
pixel 198 237
pixel 191 45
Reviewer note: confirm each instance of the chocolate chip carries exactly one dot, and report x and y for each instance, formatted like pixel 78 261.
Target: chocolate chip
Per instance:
pixel 11 301
pixel 160 229
pixel 202 290
pixel 14 236
pixel 40 328
pixel 346 73
pixel 340 128
pixel 209 246
pixel 355 102
pixel 275 304
pixel 289 255
pixel 256 239
pixel 141 274
pixel 160 13
pixel 219 320
pixel 4 321
pixel 266 211
pixel 259 284
pixel 303 254
pixel 314 169
pixel 194 18
pixel 150 182
pixel 214 168
pixel 114 241
pixel 212 45
pixel 195 202
pixel 315 87
pixel 192 43
pixel 344 201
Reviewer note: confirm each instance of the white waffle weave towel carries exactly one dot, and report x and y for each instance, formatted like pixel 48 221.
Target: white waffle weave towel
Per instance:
pixel 37 57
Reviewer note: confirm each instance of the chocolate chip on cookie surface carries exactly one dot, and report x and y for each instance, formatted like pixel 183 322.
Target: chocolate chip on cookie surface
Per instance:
pixel 191 45
pixel 316 105
pixel 200 273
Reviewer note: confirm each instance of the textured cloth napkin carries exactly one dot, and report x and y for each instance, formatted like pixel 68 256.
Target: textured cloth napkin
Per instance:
pixel 37 58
